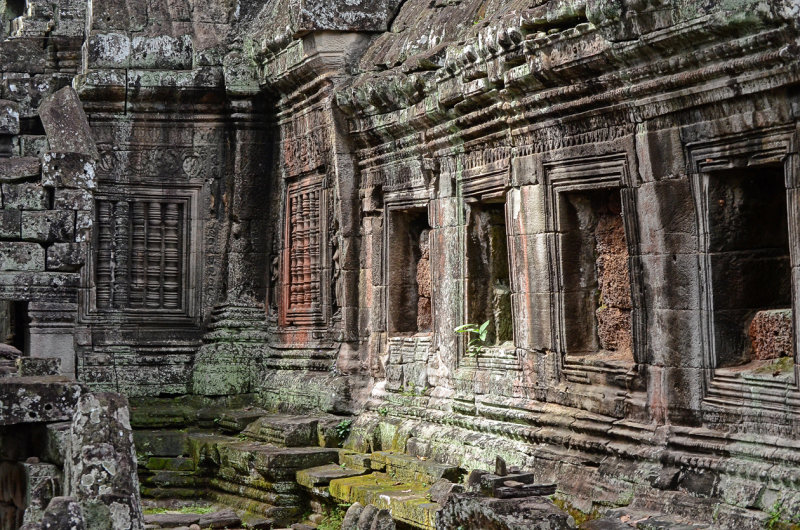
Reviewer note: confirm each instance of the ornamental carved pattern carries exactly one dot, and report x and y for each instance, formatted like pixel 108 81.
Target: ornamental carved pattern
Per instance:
pixel 139 258
pixel 301 272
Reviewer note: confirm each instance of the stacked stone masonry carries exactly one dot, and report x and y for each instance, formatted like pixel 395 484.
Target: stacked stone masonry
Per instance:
pixel 234 210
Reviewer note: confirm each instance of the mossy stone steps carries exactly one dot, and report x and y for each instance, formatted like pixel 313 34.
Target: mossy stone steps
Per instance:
pixel 408 502
pixel 235 421
pixel 160 442
pixel 286 430
pixel 277 515
pixel 317 479
pixel 410 468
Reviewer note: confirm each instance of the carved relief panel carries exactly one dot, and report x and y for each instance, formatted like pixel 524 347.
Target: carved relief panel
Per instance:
pixel 303 298
pixel 141 261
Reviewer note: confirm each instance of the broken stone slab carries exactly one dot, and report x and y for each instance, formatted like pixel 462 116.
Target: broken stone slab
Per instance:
pixel 235 421
pixel 38 399
pixel 19 168
pixel 171 520
pixel 407 467
pixel 526 490
pixel 221 519
pixel 473 510
pixel 489 483
pixel 285 430
pixel 65 123
pixel 442 489
pixel 321 476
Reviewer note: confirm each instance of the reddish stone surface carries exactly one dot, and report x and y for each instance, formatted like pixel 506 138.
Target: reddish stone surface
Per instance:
pixel 424 316
pixel 771 334
pixel 613 279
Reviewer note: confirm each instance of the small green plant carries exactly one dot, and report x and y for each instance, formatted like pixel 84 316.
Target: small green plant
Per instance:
pixel 333 520
pixel 343 429
pixel 476 335
pixel 383 411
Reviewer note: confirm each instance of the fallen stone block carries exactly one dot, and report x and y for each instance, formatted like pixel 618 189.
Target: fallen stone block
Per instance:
pixel 222 519
pixel 66 125
pixel 172 520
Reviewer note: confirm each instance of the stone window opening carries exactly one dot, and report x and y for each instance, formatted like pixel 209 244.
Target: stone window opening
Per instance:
pixel 409 278
pixel 15 324
pixel 750 268
pixel 596 283
pixel 488 281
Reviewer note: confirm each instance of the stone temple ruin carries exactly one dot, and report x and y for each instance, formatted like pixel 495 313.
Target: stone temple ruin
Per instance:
pixel 237 238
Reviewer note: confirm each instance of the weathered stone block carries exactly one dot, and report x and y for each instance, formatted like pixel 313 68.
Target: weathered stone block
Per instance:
pixel 37 399
pixel 42 483
pixel 163 51
pixel 67 257
pixel 9 117
pixel 66 125
pixel 20 256
pixel 18 168
pixel 63 512
pixel 109 50
pixel 10 224
pixel 68 170
pixel 83 225
pixel 103 472
pixel 73 199
pixel 471 510
pixel 24 196
pixel 48 226
pixel 771 334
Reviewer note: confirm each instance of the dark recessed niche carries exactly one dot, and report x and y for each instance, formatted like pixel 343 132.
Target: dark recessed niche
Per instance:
pixel 488 286
pixel 409 279
pixel 596 285
pixel 748 255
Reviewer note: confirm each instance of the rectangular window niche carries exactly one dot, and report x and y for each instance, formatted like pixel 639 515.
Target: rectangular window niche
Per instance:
pixel 595 275
pixel 409 272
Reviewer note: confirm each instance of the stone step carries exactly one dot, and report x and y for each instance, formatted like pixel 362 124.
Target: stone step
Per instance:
pixel 293 431
pixel 359 461
pixel 235 421
pixel 277 515
pixel 160 443
pixel 318 478
pixel 171 479
pixel 165 463
pixel 411 468
pixel 409 502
